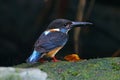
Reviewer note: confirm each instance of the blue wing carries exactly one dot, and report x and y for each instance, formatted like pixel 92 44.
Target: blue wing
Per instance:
pixel 45 43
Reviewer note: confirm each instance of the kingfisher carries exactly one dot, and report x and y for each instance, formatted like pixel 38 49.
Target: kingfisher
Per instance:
pixel 53 39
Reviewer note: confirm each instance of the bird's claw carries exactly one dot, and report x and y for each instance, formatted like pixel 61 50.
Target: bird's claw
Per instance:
pixel 55 60
pixel 42 60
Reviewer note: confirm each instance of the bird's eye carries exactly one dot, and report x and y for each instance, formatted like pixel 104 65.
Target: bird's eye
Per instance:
pixel 65 24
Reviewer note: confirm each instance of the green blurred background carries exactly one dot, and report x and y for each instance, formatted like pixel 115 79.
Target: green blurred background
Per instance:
pixel 22 21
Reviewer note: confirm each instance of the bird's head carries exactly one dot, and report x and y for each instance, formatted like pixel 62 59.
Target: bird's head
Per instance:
pixel 66 24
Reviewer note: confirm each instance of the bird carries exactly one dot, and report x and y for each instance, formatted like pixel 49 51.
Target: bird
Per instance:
pixel 53 39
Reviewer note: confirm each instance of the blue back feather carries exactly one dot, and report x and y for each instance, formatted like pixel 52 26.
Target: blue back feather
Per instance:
pixel 34 57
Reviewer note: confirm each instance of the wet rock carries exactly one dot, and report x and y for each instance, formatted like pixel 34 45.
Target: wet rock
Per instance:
pixel 10 73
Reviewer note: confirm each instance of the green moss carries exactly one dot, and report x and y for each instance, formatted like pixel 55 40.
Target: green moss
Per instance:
pixel 93 69
pixel 116 66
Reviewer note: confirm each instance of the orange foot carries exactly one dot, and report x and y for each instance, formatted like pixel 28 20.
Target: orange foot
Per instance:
pixel 55 60
pixel 41 60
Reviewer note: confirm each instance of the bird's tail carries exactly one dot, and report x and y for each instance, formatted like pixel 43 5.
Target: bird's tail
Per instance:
pixel 34 57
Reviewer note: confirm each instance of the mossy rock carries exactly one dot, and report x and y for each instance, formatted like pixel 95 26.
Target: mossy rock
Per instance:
pixel 93 69
pixel 10 73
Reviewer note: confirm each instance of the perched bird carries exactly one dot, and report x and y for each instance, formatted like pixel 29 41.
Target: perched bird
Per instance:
pixel 53 39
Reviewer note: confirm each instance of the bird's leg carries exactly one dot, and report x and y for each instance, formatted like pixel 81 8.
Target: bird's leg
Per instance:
pixel 54 59
pixel 41 60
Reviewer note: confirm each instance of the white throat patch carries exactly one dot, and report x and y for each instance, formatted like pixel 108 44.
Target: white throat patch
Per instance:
pixel 51 30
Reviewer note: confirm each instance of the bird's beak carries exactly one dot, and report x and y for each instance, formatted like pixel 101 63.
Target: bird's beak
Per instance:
pixel 79 24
